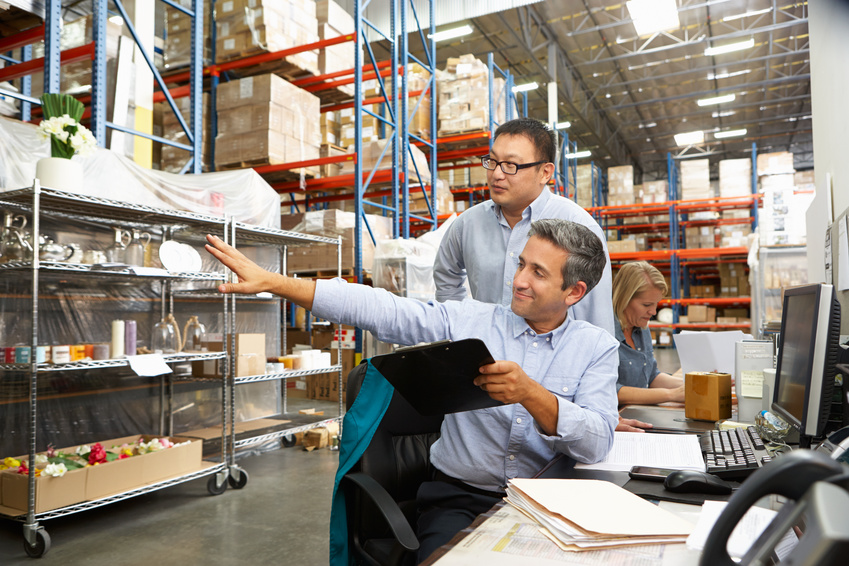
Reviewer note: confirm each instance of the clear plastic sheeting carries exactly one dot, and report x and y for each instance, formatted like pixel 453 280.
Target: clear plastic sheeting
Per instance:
pixel 240 194
pixel 405 267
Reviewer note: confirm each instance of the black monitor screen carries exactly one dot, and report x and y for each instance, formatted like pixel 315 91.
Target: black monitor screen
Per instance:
pixel 798 330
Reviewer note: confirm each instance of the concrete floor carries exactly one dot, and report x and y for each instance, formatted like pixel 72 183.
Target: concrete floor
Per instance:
pixel 281 517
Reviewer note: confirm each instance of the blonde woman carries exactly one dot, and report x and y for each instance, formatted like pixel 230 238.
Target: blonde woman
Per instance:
pixel 637 289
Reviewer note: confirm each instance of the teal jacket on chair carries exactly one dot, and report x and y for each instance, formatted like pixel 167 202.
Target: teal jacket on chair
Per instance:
pixel 358 428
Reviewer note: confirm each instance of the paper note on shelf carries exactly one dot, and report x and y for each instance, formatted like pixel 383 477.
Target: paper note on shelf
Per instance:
pixel 149 365
pixel 674 451
pixel 708 351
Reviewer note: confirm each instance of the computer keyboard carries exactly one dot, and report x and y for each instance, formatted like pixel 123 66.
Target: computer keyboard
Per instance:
pixel 733 454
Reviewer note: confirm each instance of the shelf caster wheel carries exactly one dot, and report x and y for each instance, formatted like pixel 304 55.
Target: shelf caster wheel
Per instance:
pixel 214 487
pixel 240 482
pixel 42 544
pixel 289 440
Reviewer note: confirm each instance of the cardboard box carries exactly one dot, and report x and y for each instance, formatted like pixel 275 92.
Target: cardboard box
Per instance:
pixel 250 357
pixel 621 246
pixel 701 313
pixel 707 396
pixel 318 437
pixel 50 493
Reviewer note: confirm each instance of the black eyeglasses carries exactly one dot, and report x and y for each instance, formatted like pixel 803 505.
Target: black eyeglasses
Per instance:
pixel 508 167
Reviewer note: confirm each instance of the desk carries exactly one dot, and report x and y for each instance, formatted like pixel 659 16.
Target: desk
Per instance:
pixel 504 536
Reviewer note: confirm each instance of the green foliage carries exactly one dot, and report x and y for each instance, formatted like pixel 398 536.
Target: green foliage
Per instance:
pixel 54 104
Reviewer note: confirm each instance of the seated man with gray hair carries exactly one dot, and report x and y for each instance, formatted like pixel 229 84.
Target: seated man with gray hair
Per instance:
pixel 556 375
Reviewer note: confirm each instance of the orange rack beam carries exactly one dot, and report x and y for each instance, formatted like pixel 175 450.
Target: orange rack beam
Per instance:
pixel 265 169
pixel 369 194
pixel 20 39
pixel 711 252
pixel 337 182
pixel 68 56
pixel 367 101
pixel 657 255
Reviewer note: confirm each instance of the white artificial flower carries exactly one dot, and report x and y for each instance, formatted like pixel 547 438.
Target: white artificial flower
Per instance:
pixel 55 470
pixel 66 120
pixel 40 459
pixel 84 449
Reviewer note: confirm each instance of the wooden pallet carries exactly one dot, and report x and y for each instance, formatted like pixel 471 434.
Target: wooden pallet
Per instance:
pixel 281 68
pixel 276 176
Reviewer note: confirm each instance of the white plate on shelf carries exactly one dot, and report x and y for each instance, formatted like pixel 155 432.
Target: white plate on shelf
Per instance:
pixel 179 258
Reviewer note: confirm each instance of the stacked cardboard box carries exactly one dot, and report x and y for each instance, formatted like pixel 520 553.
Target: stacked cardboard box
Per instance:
pixel 172 159
pixel 333 223
pixel 331 129
pixel 264 119
pixel 620 182
pixel 334 21
pixel 369 125
pixel 77 76
pixel 463 102
pixel 444 203
pixel 702 291
pixel 805 180
pixel 695 179
pixel 584 185
pixel 653 192
pixel 734 281
pixel 777 163
pixel 735 177
pixel 178 36
pixel 701 313
pixel 331 169
pixel 372 152
pixel 781 220
pixel 621 246
pixel 700 237
pixel 247 27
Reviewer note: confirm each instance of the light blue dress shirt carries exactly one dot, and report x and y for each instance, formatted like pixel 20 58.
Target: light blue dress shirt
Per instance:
pixel 637 367
pixel 485 448
pixel 481 245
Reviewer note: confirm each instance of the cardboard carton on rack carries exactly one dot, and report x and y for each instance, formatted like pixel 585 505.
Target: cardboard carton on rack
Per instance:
pixel 50 493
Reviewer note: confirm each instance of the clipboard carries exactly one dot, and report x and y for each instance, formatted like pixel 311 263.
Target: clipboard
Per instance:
pixel 438 378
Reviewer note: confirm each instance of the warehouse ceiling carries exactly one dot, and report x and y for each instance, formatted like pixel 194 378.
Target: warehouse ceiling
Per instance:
pixel 627 96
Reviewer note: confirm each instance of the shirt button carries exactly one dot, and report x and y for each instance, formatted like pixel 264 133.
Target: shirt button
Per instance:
pixel 511 254
pixel 535 344
pixel 565 389
pixel 519 420
pixel 507 283
pixel 548 339
pixel 512 457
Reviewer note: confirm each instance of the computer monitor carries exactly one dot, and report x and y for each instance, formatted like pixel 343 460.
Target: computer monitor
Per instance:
pixel 808 354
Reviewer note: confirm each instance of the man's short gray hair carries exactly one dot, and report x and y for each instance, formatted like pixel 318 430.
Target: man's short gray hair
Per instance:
pixel 586 258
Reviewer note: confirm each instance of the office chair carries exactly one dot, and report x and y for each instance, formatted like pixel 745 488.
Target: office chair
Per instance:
pixel 380 489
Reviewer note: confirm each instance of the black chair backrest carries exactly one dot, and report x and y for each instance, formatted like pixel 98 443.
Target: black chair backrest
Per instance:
pixel 398 458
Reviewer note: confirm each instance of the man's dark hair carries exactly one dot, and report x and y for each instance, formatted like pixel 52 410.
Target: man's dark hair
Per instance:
pixel 585 254
pixel 540 135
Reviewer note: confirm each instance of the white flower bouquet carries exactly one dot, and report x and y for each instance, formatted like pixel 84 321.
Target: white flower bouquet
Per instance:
pixel 61 123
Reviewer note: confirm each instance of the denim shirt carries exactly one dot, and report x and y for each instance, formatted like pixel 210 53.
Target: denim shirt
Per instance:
pixel 637 368
pixel 485 448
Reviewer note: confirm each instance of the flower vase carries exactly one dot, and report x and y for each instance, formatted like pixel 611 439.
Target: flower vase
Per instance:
pixel 60 174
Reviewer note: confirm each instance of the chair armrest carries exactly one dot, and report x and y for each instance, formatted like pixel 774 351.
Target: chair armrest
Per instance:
pixel 396 520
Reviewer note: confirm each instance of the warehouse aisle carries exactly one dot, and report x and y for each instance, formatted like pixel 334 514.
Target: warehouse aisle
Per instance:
pixel 281 518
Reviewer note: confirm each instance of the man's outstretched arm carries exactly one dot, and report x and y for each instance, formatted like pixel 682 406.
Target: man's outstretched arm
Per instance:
pixel 254 279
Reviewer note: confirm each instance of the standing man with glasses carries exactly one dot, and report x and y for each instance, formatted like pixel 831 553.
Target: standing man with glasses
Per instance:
pixel 485 241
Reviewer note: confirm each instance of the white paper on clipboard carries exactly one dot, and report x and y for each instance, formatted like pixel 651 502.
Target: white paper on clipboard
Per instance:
pixel 708 351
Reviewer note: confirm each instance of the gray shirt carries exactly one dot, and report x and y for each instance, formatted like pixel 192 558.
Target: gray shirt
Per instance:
pixel 481 245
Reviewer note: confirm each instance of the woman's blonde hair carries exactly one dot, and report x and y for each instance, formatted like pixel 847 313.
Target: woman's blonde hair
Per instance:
pixel 632 279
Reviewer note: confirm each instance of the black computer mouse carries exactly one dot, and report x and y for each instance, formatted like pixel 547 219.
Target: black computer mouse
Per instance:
pixel 691 481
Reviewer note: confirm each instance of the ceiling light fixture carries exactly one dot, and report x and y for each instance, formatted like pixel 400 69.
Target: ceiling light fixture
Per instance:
pixel 562 125
pixel 525 87
pixel 746 15
pixel 711 76
pixel 451 33
pixel 579 154
pixel 689 138
pixel 651 16
pixel 716 100
pixel 730 134
pixel 730 47
pixel 723 114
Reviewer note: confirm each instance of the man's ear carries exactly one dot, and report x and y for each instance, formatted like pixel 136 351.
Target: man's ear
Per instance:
pixel 547 173
pixel 575 293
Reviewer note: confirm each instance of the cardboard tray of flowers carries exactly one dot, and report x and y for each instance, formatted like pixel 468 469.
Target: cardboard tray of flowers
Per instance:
pixel 89 472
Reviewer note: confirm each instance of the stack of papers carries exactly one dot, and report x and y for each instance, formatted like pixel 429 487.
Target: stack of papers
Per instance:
pixel 583 515
pixel 670 451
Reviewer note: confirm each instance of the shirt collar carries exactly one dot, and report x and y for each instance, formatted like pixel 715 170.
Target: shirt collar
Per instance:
pixel 520 326
pixel 617 326
pixel 534 210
